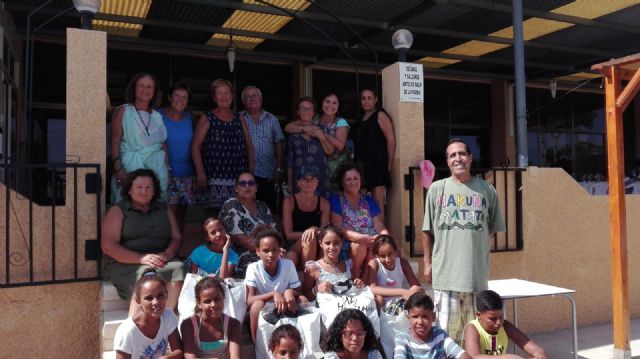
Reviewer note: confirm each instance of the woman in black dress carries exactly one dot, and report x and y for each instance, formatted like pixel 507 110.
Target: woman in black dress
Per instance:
pixel 375 146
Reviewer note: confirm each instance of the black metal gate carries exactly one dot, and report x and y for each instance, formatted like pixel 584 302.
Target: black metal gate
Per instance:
pixel 45 198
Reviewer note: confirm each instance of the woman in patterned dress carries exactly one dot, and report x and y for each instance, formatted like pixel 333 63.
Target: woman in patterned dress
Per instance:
pixel 221 149
pixel 335 128
pixel 357 214
pixel 308 146
pixel 243 213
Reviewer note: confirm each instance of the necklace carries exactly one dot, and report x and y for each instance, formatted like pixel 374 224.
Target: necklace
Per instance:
pixel 146 125
pixel 333 265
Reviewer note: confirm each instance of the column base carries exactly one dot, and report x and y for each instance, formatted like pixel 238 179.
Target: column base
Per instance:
pixel 621 353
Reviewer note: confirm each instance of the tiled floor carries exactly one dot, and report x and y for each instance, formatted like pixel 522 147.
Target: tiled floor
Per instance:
pixel 594 342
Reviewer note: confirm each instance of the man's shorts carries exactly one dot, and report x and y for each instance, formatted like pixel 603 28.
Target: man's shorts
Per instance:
pixel 453 311
pixel 180 191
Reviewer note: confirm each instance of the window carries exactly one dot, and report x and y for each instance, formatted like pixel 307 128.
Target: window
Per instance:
pixel 457 110
pixel 569 132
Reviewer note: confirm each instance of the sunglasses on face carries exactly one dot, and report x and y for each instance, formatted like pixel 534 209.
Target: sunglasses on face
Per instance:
pixel 249 183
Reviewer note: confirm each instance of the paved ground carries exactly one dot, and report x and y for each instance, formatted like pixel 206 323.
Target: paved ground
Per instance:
pixel 593 342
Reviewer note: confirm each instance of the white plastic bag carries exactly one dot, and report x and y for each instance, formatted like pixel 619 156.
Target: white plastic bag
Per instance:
pixel 187 298
pixel 235 298
pixel 362 299
pixel 393 320
pixel 308 324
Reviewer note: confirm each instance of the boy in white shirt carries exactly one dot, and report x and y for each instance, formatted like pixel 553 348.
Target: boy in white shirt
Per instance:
pixel 271 279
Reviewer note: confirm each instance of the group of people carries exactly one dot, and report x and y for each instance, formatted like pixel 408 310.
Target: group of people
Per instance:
pixel 210 333
pixel 228 163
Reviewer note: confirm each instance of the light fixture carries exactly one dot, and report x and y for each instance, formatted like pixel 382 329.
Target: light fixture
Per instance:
pixel 402 40
pixel 86 8
pixel 553 86
pixel 231 54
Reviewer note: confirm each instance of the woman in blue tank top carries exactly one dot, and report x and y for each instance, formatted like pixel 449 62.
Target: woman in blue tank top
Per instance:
pixel 179 127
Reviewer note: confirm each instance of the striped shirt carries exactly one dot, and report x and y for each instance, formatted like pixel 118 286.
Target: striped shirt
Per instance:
pixel 440 346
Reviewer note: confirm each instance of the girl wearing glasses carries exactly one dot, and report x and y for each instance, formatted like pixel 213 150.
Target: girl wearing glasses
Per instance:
pixel 243 213
pixel 350 336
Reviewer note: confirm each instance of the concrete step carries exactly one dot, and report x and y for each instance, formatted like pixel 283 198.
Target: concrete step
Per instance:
pixel 110 322
pixel 247 351
pixel 110 298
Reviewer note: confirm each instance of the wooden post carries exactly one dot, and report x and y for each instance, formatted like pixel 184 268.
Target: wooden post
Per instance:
pixel 617 210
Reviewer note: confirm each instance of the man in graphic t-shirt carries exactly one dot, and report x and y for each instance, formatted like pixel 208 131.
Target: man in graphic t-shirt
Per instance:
pixel 461 214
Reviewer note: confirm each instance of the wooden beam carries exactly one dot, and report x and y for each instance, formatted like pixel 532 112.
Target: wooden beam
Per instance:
pixel 616 62
pixel 617 213
pixel 629 92
pixel 626 74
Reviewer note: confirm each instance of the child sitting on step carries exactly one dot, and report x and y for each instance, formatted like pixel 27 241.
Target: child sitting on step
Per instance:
pixel 271 279
pixel 330 274
pixel 210 333
pixel 488 335
pixel 216 257
pixel 153 329
pixel 388 271
pixel 285 342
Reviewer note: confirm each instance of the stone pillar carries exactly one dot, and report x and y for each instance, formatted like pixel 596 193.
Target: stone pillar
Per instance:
pixel 408 126
pixel 86 125
pixel 87 95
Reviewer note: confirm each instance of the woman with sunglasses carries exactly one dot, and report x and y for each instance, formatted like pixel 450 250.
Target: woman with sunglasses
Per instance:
pixel 350 336
pixel 243 213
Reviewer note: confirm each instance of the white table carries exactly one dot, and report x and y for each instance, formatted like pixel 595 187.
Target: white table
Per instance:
pixel 602 187
pixel 514 289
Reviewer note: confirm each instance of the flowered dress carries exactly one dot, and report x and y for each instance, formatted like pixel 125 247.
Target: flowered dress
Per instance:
pixel 224 156
pixel 238 219
pixel 301 151
pixel 358 218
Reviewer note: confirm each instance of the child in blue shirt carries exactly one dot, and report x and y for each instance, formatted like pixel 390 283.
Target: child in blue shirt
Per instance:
pixel 425 341
pixel 216 257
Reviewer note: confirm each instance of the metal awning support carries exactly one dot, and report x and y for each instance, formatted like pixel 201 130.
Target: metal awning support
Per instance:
pixel 520 87
pixel 616 100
